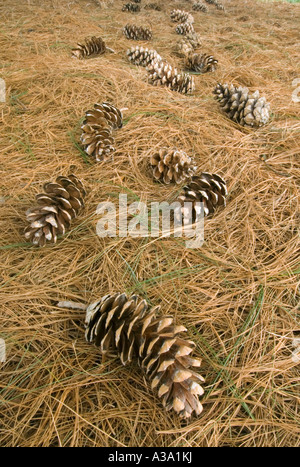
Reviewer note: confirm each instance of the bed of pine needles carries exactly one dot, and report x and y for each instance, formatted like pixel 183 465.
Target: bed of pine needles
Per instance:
pixel 237 294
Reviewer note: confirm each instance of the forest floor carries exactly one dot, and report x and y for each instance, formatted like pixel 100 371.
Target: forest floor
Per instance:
pixel 237 295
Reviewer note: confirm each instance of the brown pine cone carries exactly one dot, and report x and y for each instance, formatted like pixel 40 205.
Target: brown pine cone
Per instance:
pixel 98 144
pixel 202 63
pixel 142 57
pixel 132 7
pixel 186 45
pixel 163 74
pixel 172 165
pixel 241 106
pixel 181 16
pixel 104 112
pixel 57 206
pixel 137 33
pixel 209 189
pixel 128 328
pixel 97 137
pixel 153 6
pixel 199 6
pixel 93 46
pixel 219 6
pixel 185 28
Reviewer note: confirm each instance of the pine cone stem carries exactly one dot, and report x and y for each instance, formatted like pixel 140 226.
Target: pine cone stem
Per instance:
pixel 72 305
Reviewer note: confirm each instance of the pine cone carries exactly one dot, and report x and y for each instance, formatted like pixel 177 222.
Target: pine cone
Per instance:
pixel 181 16
pixel 98 143
pixel 199 6
pixel 202 63
pixel 133 7
pixel 186 45
pixel 57 206
pixel 152 6
pixel 142 57
pixel 185 28
pixel 137 33
pixel 104 114
pixel 172 165
pixel 93 46
pixel 97 137
pixel 209 189
pixel 127 327
pixel 219 6
pixel 163 74
pixel 241 106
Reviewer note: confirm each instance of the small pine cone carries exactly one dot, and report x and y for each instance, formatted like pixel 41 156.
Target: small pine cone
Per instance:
pixel 57 206
pixel 132 7
pixel 219 6
pixel 104 114
pixel 183 48
pixel 199 6
pixel 209 189
pixel 152 6
pixel 129 328
pixel 142 57
pixel 241 106
pixel 137 33
pixel 181 16
pixel 98 144
pixel 185 28
pixel 172 165
pixel 93 46
pixel 186 45
pixel 201 63
pixel 163 74
pixel 96 137
pixel 193 39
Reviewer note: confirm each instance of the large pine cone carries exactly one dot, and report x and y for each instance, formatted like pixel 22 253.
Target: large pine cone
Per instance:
pixel 93 46
pixel 209 189
pixel 185 28
pixel 172 165
pixel 137 33
pixel 199 6
pixel 202 63
pixel 97 137
pixel 129 328
pixel 57 206
pixel 241 106
pixel 163 74
pixel 142 57
pixel 181 16
pixel 133 7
